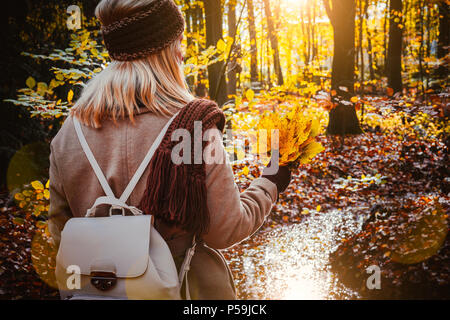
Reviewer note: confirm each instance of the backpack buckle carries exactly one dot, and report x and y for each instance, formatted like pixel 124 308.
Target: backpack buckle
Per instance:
pixel 112 209
pixel 103 281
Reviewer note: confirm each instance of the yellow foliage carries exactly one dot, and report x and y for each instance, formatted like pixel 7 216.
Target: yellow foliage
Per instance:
pixel 221 45
pixel 30 82
pixel 19 196
pixel 70 96
pixel 296 132
pixel 250 94
pixel 37 185
pixel 34 198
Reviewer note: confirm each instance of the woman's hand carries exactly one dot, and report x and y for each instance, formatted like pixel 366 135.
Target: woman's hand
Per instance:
pixel 280 175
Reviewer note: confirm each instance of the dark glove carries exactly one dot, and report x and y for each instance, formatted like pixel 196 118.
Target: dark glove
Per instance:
pixel 281 178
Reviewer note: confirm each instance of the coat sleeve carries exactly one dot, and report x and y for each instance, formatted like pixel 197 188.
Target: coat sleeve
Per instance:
pixel 234 216
pixel 59 211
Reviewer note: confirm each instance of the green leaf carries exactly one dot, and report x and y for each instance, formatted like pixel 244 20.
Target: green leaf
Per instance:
pixel 41 224
pixel 19 221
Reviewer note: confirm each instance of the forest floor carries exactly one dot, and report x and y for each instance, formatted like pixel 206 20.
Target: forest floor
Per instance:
pixel 382 199
pixel 362 207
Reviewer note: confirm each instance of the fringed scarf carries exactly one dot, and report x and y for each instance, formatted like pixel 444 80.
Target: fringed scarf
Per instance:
pixel 176 193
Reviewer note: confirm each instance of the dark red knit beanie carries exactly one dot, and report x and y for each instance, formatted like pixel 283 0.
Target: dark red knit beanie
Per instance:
pixel 147 32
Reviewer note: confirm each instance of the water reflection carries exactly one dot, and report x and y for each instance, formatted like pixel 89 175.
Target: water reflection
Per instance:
pixel 292 262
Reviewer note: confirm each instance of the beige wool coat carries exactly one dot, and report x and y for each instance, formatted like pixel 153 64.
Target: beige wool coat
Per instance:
pixel 119 149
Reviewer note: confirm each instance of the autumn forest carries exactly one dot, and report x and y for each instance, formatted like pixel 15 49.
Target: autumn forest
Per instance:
pixel 371 195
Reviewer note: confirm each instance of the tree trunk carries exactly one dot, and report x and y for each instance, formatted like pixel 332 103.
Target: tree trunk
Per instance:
pixel 343 119
pixel 214 32
pixel 309 26
pixel 305 37
pixel 232 66
pixel 419 26
pixel 385 37
pixel 314 51
pixel 361 48
pixel 274 43
pixel 394 61
pixel 189 41
pixel 428 43
pixel 369 41
pixel 253 47
pixel 444 38
pixel 268 64
pixel 198 28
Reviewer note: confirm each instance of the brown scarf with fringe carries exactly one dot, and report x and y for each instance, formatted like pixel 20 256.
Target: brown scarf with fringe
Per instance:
pixel 176 193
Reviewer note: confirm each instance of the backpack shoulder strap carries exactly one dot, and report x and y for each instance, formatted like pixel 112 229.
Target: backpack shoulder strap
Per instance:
pixel 185 267
pixel 98 172
pixel 138 174
pixel 136 177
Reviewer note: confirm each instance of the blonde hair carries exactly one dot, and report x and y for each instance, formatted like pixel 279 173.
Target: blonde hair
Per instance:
pixel 157 81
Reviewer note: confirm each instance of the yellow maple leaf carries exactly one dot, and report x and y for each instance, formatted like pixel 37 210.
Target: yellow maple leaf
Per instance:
pixel 221 45
pixel 37 185
pixel 296 131
pixel 249 94
pixel 311 150
pixel 70 96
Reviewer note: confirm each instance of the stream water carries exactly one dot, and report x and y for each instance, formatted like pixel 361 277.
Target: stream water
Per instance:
pixel 292 262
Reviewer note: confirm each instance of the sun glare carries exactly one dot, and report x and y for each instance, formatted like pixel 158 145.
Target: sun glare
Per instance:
pixel 296 3
pixel 306 286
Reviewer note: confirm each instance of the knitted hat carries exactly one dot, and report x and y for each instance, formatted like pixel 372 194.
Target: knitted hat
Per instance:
pixel 147 32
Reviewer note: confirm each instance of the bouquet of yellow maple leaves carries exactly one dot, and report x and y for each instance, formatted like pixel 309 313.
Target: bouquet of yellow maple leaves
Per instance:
pixel 296 131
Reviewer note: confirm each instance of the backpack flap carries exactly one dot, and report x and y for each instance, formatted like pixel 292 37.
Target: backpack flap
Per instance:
pixel 117 244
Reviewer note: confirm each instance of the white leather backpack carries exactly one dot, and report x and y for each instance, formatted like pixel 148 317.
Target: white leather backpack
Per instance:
pixel 119 256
